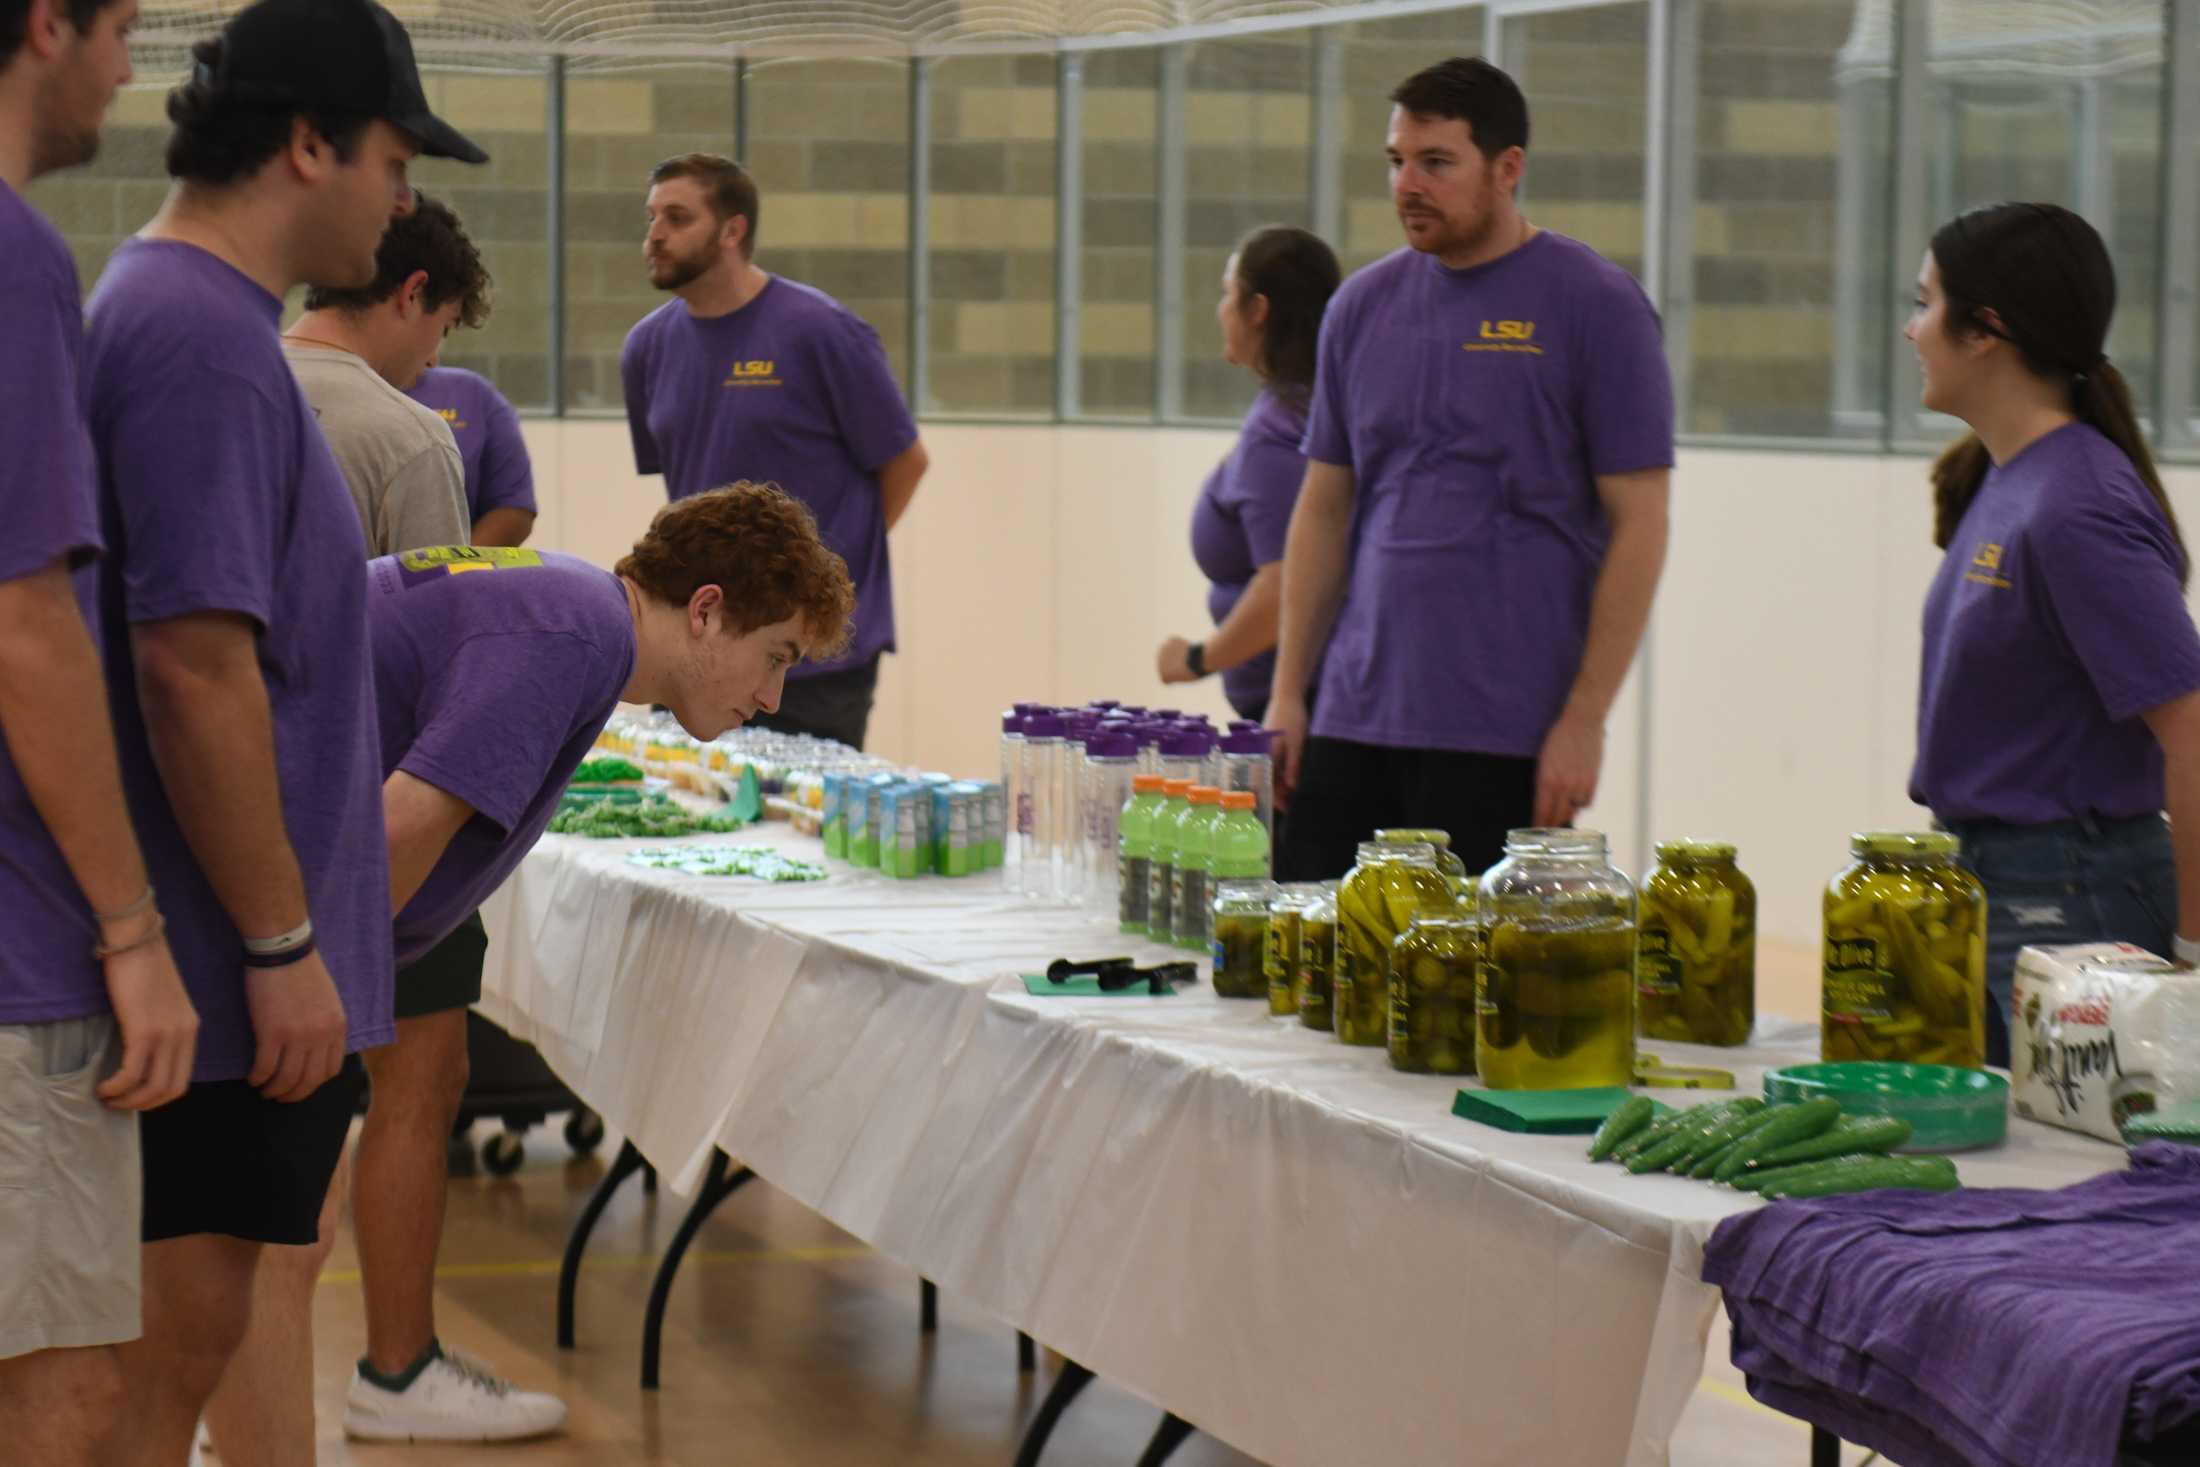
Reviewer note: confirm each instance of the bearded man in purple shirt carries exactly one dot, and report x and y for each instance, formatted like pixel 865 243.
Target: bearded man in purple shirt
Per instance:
pixel 95 1025
pixel 751 376
pixel 1476 546
pixel 235 618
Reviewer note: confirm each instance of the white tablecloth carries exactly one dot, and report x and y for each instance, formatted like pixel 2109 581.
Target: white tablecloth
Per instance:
pixel 1281 1239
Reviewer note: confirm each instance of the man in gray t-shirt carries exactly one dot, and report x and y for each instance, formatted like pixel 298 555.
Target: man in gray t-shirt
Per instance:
pixel 356 352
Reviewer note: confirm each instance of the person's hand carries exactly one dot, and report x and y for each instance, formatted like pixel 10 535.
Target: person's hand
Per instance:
pixel 1173 661
pixel 1566 770
pixel 160 1029
pixel 298 1026
pixel 1287 719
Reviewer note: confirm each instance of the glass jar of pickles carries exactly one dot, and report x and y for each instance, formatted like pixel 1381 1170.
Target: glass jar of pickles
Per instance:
pixel 1376 902
pixel 1696 947
pixel 1240 940
pixel 1313 988
pixel 1905 969
pixel 1555 996
pixel 1282 961
pixel 1448 865
pixel 1432 999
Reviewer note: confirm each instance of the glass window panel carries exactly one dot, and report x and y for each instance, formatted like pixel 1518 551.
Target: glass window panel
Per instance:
pixel 1377 56
pixel 2040 101
pixel 1115 346
pixel 618 126
pixel 829 146
pixel 1585 74
pixel 1789 307
pixel 991 346
pixel 1247 161
pixel 505 206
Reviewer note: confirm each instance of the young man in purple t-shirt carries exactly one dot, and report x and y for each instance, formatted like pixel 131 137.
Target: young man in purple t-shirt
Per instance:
pixel 1474 552
pixel 234 611
pixel 500 477
pixel 95 1024
pixel 752 376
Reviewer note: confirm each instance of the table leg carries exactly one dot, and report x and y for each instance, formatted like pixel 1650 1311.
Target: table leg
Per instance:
pixel 722 1182
pixel 1166 1439
pixel 624 1165
pixel 1027 1354
pixel 1074 1378
pixel 928 1306
pixel 1825 1448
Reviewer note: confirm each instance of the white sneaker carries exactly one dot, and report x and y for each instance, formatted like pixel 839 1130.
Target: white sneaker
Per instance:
pixel 453 1400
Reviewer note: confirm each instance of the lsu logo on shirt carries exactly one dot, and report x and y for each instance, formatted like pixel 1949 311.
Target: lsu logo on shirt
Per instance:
pixel 415 566
pixel 754 374
pixel 1986 567
pixel 1505 336
pixel 450 416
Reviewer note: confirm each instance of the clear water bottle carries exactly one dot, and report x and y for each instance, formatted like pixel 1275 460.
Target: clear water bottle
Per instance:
pixel 1111 763
pixel 1012 787
pixel 1185 750
pixel 1040 813
pixel 1248 766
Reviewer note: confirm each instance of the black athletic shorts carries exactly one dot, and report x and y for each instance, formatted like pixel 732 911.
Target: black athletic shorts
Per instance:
pixel 1348 791
pixel 223 1158
pixel 446 976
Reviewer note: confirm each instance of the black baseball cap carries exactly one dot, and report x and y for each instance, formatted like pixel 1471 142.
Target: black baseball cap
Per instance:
pixel 335 56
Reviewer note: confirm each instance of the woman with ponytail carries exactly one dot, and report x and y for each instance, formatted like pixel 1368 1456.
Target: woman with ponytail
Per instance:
pixel 2059 703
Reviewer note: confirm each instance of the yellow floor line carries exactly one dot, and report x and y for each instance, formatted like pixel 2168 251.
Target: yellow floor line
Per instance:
pixel 621 1263
pixel 1735 1396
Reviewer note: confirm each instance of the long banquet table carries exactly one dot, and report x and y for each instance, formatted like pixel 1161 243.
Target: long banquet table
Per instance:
pixel 1280 1239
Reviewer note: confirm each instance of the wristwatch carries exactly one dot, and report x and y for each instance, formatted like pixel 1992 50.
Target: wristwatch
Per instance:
pixel 1195 658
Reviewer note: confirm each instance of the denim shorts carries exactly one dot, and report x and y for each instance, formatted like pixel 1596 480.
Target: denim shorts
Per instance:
pixel 2071 881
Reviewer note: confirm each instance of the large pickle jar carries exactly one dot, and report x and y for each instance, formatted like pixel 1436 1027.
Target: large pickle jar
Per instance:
pixel 1696 950
pixel 1376 902
pixel 1905 974
pixel 1448 865
pixel 1281 963
pixel 1556 991
pixel 1432 998
pixel 1240 941
pixel 1314 986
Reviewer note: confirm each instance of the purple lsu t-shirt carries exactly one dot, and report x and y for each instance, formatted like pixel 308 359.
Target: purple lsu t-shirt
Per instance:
pixel 499 474
pixel 494 671
pixel 218 494
pixel 2056 619
pixel 1476 409
pixel 793 389
pixel 47 501
pixel 1239 523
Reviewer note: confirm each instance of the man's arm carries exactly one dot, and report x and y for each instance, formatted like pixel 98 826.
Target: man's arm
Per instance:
pixel 53 714
pixel 213 738
pixel 1317 555
pixel 1573 751
pixel 897 480
pixel 421 820
pixel 504 527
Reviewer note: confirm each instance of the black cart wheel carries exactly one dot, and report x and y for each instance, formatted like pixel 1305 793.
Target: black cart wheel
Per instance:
pixel 583 1131
pixel 502 1153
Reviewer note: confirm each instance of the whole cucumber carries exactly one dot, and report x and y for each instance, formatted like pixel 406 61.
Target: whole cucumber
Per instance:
pixel 1870 1174
pixel 1743 1117
pixel 1849 1134
pixel 1789 1124
pixel 1664 1153
pixel 1631 1115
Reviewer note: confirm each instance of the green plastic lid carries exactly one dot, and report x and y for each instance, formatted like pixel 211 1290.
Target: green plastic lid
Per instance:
pixel 1695 850
pixel 1949 1108
pixel 2180 1122
pixel 1904 844
pixel 1441 839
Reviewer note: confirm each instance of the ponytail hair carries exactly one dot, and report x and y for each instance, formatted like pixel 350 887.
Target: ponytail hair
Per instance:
pixel 2045 273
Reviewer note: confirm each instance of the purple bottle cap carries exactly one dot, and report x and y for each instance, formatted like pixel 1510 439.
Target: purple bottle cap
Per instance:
pixel 1109 744
pixel 1133 709
pixel 1168 713
pixel 1104 703
pixel 1187 743
pixel 1027 709
pixel 1253 740
pixel 1043 726
pixel 1240 725
pixel 1012 723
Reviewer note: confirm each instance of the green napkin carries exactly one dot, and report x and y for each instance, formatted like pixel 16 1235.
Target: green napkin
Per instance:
pixel 1084 985
pixel 1543 1112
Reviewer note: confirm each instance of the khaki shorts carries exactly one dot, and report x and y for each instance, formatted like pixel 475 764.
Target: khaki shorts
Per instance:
pixel 69 1190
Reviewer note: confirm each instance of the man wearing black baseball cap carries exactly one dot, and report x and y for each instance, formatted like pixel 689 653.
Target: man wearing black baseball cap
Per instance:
pixel 234 612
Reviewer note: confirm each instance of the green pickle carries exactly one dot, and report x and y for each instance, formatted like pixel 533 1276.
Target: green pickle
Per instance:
pixel 1905 957
pixel 1696 948
pixel 1240 942
pixel 1555 995
pixel 1375 904
pixel 1314 986
pixel 1432 999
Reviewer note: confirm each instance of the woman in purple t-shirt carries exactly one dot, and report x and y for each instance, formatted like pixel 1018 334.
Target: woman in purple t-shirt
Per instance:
pixel 1274 290
pixel 2059 699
